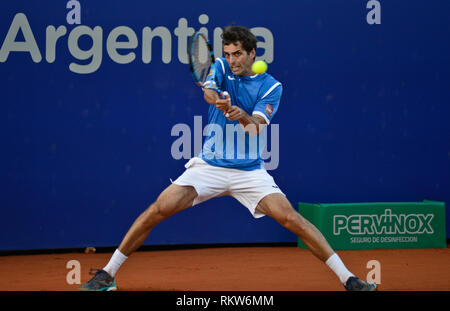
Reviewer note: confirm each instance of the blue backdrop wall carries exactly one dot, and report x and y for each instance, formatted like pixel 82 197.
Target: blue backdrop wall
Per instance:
pixel 363 117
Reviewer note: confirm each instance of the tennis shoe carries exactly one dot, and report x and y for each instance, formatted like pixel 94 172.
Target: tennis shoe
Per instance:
pixel 355 284
pixel 101 281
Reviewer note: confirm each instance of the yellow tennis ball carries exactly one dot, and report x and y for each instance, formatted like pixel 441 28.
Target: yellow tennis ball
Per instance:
pixel 259 67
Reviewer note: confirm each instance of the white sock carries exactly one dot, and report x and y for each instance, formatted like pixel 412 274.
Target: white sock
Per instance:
pixel 335 263
pixel 115 262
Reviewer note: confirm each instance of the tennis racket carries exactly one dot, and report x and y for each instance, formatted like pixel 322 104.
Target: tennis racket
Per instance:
pixel 201 60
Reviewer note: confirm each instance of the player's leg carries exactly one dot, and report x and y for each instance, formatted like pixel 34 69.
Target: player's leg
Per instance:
pixel 278 207
pixel 199 182
pixel 173 199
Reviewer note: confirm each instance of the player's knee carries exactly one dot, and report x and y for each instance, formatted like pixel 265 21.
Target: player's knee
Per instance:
pixel 153 214
pixel 294 220
pixel 162 209
pixel 290 219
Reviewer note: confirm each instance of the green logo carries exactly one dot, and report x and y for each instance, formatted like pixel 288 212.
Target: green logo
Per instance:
pixel 386 223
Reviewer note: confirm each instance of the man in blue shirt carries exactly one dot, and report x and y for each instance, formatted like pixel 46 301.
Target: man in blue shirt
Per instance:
pixel 229 166
pixel 255 101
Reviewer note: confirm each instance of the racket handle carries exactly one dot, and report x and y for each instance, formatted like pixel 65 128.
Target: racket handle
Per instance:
pixel 223 94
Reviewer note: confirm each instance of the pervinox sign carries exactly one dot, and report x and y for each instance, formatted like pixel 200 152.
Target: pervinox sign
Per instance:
pixel 379 225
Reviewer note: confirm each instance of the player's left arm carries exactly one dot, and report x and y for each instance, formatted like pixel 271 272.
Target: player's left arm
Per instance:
pixel 263 112
pixel 252 125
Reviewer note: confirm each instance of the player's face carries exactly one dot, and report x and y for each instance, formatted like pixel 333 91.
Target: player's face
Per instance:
pixel 239 60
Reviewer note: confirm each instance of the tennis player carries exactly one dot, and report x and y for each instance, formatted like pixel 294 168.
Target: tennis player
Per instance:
pixel 225 167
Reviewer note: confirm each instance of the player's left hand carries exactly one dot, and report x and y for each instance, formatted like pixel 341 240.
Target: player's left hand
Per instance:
pixel 234 113
pixel 223 103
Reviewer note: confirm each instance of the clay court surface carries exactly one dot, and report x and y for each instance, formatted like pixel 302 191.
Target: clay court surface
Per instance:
pixel 280 268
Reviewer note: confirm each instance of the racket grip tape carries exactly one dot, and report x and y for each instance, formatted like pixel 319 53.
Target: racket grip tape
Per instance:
pixel 223 95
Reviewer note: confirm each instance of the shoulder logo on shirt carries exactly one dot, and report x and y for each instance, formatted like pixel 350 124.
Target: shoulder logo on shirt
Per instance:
pixel 231 78
pixel 269 110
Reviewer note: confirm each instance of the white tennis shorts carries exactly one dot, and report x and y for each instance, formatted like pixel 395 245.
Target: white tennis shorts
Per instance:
pixel 248 187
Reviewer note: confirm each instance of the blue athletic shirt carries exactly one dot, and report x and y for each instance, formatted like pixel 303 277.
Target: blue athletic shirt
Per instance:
pixel 226 144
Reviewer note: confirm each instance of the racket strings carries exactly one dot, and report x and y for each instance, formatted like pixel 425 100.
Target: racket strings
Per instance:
pixel 201 59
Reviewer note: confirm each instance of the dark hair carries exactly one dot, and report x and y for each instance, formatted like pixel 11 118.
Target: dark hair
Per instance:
pixel 233 34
